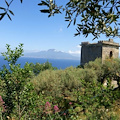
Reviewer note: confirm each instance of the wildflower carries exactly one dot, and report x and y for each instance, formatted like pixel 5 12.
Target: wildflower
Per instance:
pixel 2 104
pixel 1 101
pixel 47 107
pixel 64 114
pixel 56 109
pixel 70 103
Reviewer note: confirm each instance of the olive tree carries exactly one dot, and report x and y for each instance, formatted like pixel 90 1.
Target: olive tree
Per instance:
pixel 90 16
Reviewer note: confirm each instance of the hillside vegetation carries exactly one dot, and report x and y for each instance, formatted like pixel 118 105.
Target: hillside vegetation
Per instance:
pixel 41 92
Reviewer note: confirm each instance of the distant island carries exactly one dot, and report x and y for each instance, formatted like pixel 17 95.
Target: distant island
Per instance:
pixel 51 54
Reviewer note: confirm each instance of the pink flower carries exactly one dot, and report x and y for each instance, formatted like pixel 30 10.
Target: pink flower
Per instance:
pixel 64 113
pixel 47 107
pixel 56 109
pixel 70 103
pixel 1 101
pixel 2 104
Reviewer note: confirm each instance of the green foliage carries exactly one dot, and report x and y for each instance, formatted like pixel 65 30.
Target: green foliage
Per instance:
pixel 12 55
pixel 82 87
pixel 15 82
pixel 68 79
pixel 37 68
pixel 109 69
pixel 92 16
pixel 73 93
pixel 59 82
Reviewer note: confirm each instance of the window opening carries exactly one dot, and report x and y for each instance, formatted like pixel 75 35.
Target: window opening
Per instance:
pixel 111 54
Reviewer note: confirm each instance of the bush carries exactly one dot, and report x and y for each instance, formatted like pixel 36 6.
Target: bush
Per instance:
pixel 97 68
pixel 17 88
pixel 37 68
pixel 109 69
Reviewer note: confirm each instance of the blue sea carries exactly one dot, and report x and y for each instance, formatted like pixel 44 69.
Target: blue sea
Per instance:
pixel 59 63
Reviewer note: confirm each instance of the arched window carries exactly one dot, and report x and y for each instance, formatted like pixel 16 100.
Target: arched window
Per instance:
pixel 111 54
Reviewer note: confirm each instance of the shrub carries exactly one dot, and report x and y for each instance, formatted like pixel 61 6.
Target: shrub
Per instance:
pixel 37 68
pixel 97 68
pixel 17 89
pixel 54 82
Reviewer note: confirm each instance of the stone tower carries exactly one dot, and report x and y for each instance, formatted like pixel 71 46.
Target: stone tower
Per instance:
pixel 102 49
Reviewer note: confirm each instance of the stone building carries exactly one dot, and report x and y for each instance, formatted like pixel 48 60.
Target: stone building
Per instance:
pixel 102 49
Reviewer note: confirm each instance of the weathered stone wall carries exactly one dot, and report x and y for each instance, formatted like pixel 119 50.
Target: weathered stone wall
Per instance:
pixel 106 49
pixel 90 53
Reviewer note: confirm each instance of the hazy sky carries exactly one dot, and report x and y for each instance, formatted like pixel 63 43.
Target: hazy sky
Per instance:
pixel 38 32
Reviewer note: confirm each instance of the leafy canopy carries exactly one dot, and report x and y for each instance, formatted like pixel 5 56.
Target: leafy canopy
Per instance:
pixel 90 16
pixel 6 11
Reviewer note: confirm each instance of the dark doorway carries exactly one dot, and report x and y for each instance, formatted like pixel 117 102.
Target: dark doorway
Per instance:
pixel 111 54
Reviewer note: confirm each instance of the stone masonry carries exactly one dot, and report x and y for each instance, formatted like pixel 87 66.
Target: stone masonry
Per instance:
pixel 102 49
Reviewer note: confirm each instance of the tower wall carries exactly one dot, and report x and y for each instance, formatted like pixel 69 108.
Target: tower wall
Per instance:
pixel 102 49
pixel 90 53
pixel 109 51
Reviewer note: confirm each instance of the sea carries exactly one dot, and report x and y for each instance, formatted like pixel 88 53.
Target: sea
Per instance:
pixel 59 63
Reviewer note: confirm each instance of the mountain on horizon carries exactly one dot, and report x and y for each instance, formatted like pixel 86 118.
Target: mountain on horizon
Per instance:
pixel 51 54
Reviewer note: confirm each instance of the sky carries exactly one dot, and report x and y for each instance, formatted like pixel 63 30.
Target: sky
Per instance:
pixel 38 32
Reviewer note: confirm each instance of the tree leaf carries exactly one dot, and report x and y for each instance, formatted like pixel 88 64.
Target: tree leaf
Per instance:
pixel 21 1
pixel 45 11
pixel 2 15
pixel 2 8
pixel 43 3
pixel 104 12
pixel 11 12
pixel 69 24
pixel 111 10
pixel 67 20
pixel 6 3
pixel 9 17
pixel 74 21
pixel 76 34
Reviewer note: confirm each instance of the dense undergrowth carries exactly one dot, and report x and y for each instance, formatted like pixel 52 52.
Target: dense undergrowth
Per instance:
pixel 41 92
